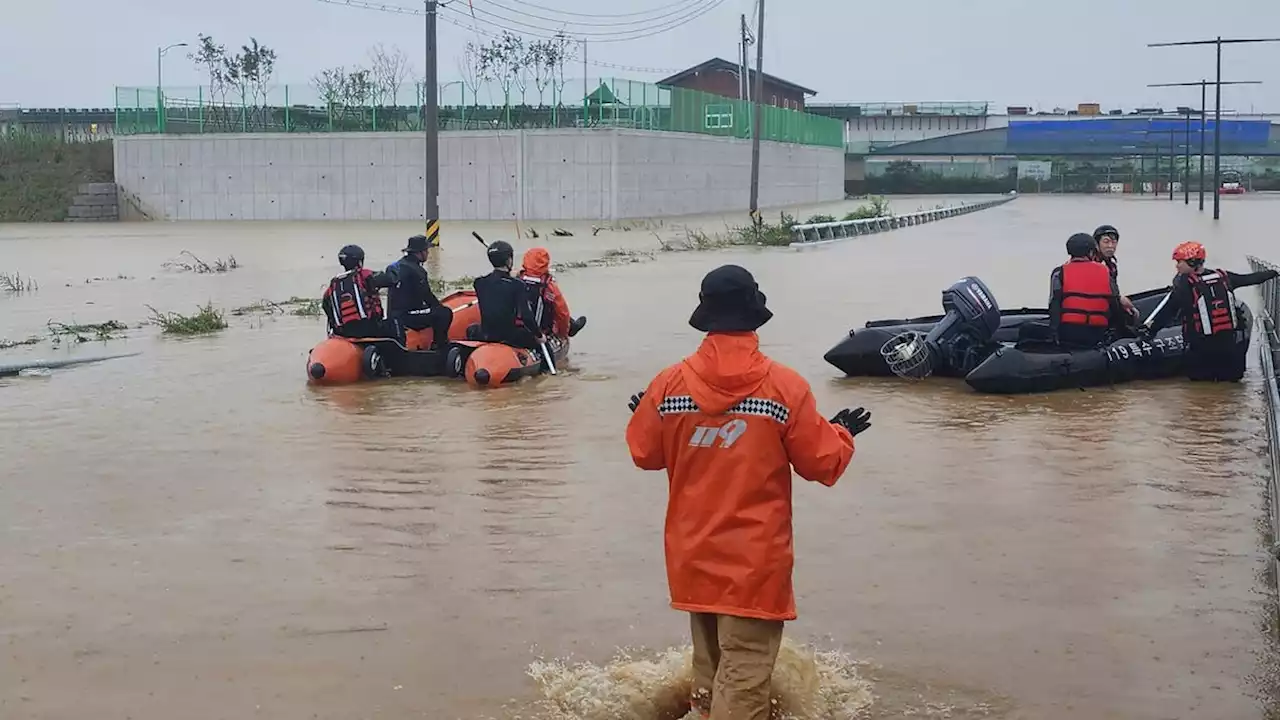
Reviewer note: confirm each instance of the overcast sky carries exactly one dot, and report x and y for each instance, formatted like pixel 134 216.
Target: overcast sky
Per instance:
pixel 1041 53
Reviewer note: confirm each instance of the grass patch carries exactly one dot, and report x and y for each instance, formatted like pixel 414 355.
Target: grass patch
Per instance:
pixel 7 344
pixel 84 333
pixel 188 262
pixel 207 319
pixel 16 284
pixel 39 175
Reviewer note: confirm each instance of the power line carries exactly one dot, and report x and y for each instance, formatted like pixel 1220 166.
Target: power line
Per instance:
pixel 400 10
pixel 521 27
pixel 597 63
pixel 650 11
pixel 584 23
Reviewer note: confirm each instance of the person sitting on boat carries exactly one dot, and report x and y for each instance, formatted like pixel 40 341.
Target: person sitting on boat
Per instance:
pixel 1084 302
pixel 506 315
pixel 549 304
pixel 1206 300
pixel 728 424
pixel 352 305
pixel 1108 238
pixel 410 302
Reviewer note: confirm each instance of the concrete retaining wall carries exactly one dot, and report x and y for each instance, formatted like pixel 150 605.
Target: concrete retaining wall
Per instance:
pixel 599 174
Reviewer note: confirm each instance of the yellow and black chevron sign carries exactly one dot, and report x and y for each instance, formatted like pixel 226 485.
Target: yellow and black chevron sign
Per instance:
pixel 433 233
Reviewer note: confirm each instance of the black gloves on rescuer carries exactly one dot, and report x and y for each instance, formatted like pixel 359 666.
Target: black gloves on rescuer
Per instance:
pixel 635 401
pixel 855 421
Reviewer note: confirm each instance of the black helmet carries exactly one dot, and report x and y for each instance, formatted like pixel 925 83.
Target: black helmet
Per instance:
pixel 351 257
pixel 1081 246
pixel 1106 230
pixel 500 253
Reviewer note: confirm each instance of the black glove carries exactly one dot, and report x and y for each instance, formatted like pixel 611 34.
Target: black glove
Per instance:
pixel 855 421
pixel 635 401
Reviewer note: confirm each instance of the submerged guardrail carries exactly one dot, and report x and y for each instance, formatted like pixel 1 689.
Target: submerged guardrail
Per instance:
pixel 824 233
pixel 1269 354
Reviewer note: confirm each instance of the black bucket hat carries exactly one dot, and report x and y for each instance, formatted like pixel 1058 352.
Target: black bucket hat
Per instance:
pixel 417 243
pixel 730 301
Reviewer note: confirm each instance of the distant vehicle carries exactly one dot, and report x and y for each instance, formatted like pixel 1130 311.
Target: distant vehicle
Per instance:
pixel 1231 184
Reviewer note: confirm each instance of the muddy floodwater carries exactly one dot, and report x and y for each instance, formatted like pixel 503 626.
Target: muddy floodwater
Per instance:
pixel 194 533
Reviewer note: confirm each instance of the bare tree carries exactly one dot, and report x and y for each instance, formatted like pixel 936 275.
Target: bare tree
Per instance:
pixel 212 58
pixel 330 85
pixel 538 52
pixel 499 61
pixel 388 71
pixel 560 50
pixel 469 66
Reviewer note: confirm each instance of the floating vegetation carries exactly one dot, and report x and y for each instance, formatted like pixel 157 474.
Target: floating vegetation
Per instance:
pixel 188 262
pixel 207 319
pixel 442 287
pixel 16 284
pixel 82 333
pixel 299 306
pixel 7 344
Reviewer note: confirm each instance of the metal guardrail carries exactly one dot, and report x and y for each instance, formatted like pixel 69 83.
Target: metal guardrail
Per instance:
pixel 825 233
pixel 1269 354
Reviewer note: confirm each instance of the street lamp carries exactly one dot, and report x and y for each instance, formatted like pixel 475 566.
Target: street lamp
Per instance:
pixel 160 121
pixel 1203 115
pixel 1217 106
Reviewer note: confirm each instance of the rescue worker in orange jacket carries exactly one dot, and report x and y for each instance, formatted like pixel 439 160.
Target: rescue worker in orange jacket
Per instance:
pixel 549 304
pixel 1207 303
pixel 728 424
pixel 351 303
pixel 1084 302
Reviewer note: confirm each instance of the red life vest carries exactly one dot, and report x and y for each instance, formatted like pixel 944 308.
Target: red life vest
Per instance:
pixel 351 298
pixel 1213 305
pixel 1086 293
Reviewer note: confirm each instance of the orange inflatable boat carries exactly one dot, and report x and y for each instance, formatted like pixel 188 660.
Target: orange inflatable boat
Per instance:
pixel 488 364
pixel 338 360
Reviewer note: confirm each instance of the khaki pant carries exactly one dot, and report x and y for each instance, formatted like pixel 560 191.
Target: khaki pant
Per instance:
pixel 733 660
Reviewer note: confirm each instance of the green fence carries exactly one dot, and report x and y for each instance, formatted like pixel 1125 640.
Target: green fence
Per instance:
pixel 593 102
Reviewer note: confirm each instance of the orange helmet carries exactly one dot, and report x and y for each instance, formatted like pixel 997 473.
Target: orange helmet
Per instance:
pixel 1189 251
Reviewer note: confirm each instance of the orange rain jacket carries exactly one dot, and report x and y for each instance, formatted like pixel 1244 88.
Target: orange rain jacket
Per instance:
pixel 536 265
pixel 727 423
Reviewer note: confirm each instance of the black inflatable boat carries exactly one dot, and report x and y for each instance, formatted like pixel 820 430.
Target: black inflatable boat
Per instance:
pixel 1008 351
pixel 1042 367
pixel 858 355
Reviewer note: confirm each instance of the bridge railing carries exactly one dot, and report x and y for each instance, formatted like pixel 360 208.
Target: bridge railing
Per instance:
pixel 825 233
pixel 1269 354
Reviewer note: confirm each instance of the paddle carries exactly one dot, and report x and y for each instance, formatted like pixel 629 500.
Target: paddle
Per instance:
pixel 546 351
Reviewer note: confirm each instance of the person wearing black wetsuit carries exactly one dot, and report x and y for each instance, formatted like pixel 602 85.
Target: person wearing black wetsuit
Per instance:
pixel 1108 238
pixel 1207 303
pixel 506 315
pixel 410 302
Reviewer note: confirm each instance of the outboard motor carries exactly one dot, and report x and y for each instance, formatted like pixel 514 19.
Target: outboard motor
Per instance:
pixel 960 340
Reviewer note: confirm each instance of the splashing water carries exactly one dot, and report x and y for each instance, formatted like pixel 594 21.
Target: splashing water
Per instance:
pixel 808 684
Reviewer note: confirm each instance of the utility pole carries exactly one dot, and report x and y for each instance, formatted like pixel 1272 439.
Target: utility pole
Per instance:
pixel 431 131
pixel 758 119
pixel 586 93
pixel 1204 119
pixel 742 59
pixel 1218 42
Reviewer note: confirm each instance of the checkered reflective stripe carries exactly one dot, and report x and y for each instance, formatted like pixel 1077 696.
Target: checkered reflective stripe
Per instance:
pixel 761 407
